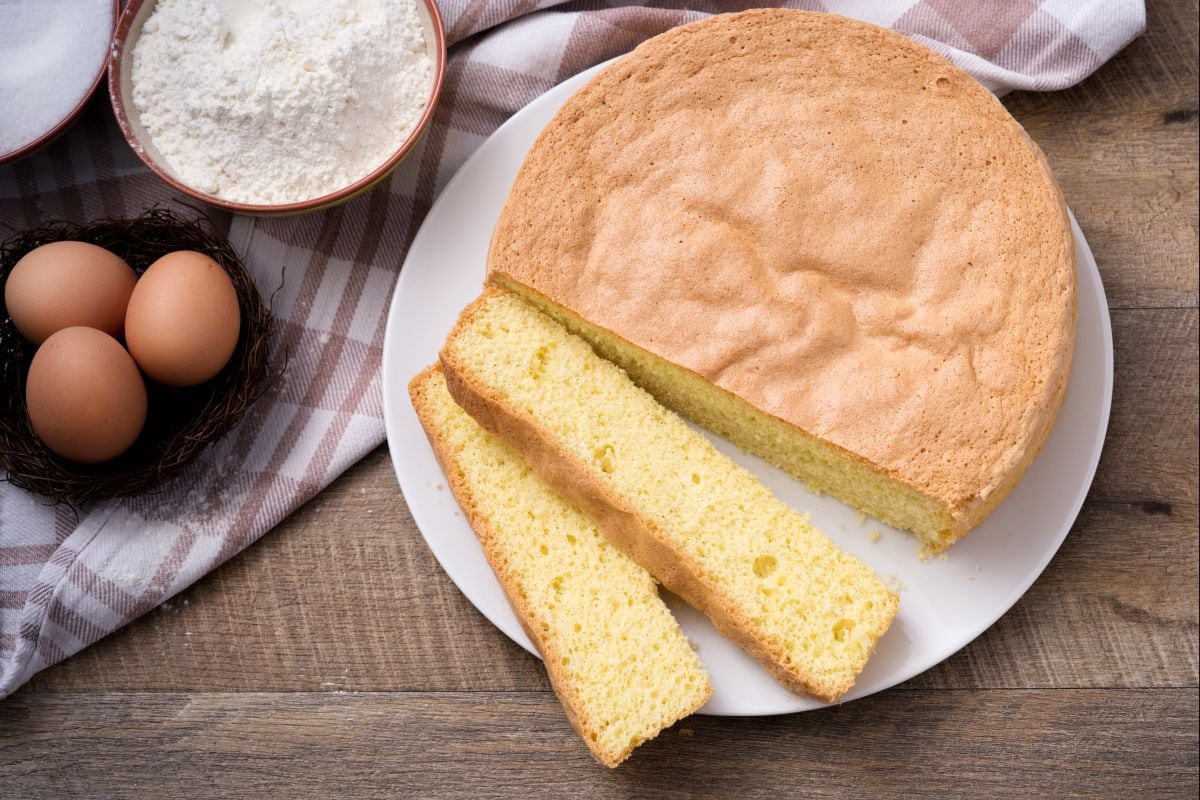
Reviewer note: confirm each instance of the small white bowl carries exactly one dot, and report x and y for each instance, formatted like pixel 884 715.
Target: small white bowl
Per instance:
pixel 62 125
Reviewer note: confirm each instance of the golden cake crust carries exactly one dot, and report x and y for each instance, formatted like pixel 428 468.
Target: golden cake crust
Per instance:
pixel 825 219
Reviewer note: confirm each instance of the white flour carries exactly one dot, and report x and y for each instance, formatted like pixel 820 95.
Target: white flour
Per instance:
pixel 275 101
pixel 50 52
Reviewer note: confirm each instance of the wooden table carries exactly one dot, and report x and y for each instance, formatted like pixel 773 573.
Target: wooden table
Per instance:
pixel 335 659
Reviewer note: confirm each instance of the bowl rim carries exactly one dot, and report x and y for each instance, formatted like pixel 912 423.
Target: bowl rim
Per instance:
pixel 120 44
pixel 30 148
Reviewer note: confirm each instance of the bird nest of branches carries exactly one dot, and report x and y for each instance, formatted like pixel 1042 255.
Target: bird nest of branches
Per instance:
pixel 180 422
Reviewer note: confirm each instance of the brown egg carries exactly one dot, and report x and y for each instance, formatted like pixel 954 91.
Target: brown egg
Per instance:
pixel 183 321
pixel 64 284
pixel 85 397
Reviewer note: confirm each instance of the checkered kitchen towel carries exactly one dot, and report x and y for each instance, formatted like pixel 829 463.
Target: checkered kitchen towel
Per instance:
pixel 68 580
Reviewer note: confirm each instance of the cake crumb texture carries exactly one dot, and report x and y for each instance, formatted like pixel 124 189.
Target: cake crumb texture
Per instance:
pixel 615 655
pixel 704 526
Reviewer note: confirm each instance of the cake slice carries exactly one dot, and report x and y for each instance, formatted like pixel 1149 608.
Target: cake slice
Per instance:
pixel 702 525
pixel 615 656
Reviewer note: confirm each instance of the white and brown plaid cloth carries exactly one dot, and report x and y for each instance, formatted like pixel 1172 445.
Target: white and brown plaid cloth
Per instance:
pixel 68 578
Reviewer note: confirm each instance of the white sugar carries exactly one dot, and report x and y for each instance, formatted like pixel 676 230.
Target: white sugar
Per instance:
pixel 50 53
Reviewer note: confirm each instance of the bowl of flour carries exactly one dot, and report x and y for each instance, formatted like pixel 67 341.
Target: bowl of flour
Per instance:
pixel 275 107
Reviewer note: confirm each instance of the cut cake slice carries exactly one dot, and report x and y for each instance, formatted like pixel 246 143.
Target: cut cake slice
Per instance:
pixel 614 653
pixel 705 527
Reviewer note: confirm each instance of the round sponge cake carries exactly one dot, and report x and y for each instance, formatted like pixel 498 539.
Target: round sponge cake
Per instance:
pixel 790 224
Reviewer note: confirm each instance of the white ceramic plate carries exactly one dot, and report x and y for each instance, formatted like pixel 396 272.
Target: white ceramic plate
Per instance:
pixel 945 603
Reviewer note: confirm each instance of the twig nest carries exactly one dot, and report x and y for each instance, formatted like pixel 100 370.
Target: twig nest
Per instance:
pixel 180 421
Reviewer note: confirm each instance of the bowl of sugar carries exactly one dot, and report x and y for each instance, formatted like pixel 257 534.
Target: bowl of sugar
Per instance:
pixel 275 107
pixel 54 58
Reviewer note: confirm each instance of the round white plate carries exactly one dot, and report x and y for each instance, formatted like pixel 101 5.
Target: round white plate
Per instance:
pixel 945 603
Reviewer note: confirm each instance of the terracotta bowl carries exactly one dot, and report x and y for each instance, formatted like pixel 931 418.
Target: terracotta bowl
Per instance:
pixel 52 134
pixel 120 88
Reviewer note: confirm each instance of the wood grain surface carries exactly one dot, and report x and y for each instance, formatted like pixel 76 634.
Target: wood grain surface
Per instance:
pixel 906 743
pixel 335 659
